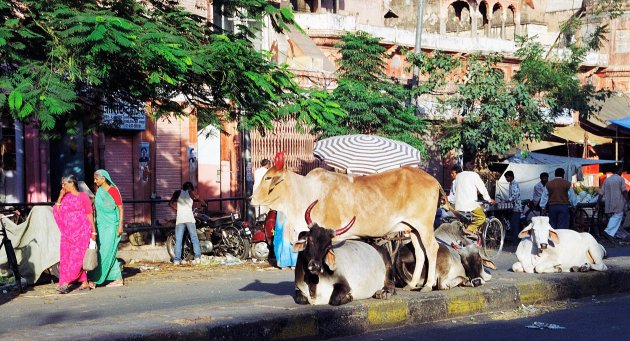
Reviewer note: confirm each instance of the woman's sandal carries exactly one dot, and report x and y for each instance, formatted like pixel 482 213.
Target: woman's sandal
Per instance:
pixel 92 285
pixel 83 288
pixel 64 289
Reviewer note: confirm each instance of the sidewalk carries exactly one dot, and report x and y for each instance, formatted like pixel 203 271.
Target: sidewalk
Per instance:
pixel 253 301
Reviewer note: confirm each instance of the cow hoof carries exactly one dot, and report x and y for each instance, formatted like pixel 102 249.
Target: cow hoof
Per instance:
pixel 426 288
pixel 585 268
pixel 383 294
pixel 575 268
pixel 409 288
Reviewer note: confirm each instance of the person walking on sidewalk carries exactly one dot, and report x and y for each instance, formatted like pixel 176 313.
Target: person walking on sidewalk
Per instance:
pixel 73 215
pixel 558 195
pixel 467 184
pixel 182 201
pixel 615 196
pixel 109 226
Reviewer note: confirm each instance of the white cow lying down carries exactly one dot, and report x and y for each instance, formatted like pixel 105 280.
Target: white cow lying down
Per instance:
pixel 543 250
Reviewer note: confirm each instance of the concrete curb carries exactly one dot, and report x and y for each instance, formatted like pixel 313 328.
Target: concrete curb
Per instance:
pixel 408 308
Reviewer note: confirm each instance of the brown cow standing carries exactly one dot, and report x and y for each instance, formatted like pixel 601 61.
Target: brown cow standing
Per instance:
pixel 398 200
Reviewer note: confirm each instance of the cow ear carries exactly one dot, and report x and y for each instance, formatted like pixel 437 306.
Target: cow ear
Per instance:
pixel 554 236
pixel 488 263
pixel 330 260
pixel 300 245
pixel 525 232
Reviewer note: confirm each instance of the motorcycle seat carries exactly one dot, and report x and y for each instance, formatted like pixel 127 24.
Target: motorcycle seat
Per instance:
pixel 218 221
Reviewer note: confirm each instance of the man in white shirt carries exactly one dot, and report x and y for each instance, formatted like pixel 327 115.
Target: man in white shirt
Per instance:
pixel 467 184
pixel 259 174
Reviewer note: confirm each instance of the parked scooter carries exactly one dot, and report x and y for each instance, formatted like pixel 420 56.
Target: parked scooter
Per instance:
pixel 218 236
pixel 261 238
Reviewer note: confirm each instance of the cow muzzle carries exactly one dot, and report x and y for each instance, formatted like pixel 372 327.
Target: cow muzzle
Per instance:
pixel 543 246
pixel 314 267
pixel 476 282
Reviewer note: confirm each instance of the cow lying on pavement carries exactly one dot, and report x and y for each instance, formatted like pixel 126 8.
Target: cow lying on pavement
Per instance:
pixel 336 273
pixel 544 250
pixel 459 261
pixel 399 200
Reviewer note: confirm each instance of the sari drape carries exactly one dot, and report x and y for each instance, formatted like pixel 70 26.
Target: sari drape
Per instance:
pixel 281 245
pixel 107 220
pixel 74 225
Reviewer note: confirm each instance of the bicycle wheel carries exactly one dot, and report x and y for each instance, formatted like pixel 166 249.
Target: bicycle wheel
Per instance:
pixel 581 221
pixel 493 238
pixel 13 263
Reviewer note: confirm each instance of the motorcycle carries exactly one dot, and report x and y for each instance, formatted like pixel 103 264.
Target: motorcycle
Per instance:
pixel 218 236
pixel 261 235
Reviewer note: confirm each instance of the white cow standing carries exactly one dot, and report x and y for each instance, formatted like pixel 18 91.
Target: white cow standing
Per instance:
pixel 544 250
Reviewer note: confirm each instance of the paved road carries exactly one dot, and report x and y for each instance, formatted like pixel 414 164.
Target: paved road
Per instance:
pixel 599 318
pixel 175 294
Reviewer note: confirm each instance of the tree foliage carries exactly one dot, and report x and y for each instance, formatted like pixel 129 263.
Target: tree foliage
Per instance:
pixel 61 61
pixel 491 115
pixel 494 115
pixel 374 104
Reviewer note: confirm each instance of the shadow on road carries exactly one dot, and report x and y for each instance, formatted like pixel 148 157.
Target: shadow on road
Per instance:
pixel 280 288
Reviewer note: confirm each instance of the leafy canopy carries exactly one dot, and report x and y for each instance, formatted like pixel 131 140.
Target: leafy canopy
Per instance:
pixel 61 61
pixel 374 104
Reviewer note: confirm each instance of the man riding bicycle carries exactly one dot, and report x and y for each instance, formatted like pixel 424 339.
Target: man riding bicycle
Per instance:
pixel 467 185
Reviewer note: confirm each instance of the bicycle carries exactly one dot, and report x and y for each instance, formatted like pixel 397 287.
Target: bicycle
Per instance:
pixel 8 248
pixel 491 232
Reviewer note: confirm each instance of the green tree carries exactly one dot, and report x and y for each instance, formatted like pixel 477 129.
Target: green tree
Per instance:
pixel 374 104
pixel 61 61
pixel 493 115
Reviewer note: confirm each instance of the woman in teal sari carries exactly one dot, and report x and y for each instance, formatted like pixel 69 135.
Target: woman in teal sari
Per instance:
pixel 109 225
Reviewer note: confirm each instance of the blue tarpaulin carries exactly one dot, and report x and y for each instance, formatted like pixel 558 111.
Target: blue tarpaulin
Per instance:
pixel 623 122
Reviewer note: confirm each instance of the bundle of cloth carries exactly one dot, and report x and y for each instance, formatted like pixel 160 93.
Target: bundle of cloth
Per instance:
pixel 36 243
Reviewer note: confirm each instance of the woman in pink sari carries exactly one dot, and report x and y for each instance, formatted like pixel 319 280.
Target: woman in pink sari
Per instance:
pixel 73 214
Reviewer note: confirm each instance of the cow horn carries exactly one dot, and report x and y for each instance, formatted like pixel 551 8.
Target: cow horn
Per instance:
pixel 346 228
pixel 278 160
pixel 307 214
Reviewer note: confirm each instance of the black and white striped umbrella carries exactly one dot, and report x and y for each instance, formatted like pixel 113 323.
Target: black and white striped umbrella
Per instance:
pixel 365 154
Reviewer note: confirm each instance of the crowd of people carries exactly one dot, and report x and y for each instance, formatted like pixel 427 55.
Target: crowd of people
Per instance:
pixel 554 198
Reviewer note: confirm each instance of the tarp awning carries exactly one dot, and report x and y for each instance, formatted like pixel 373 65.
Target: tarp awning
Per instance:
pixel 577 134
pixel 624 122
pixel 527 170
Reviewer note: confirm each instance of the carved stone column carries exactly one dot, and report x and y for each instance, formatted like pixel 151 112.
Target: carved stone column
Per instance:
pixel 443 17
pixel 473 20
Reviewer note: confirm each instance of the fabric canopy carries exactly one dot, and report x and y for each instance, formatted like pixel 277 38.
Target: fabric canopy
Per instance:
pixel 578 135
pixel 527 170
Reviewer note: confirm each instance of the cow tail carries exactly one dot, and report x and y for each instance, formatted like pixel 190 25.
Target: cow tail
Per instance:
pixel 450 207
